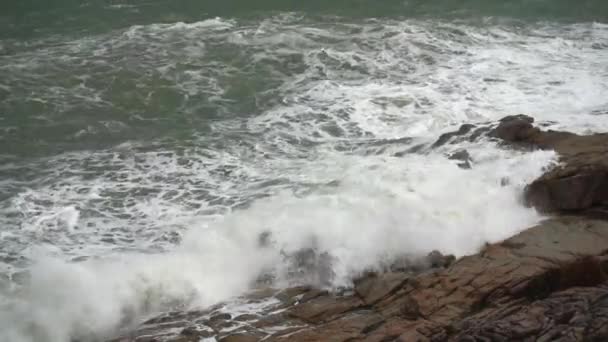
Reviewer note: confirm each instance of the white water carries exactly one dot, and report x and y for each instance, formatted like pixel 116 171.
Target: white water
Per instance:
pixel 319 172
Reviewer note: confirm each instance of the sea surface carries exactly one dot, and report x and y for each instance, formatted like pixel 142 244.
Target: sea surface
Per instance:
pixel 160 155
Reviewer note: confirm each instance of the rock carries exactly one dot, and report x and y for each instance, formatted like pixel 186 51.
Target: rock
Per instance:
pixel 373 288
pixel 438 260
pixel 242 337
pixel 348 327
pixel 515 129
pixel 447 137
pixel 196 333
pixel 246 317
pixel 579 191
pixel 289 295
pixel 579 183
pixel 464 158
pixel 310 267
pixel 576 314
pixel 220 317
pixel 323 308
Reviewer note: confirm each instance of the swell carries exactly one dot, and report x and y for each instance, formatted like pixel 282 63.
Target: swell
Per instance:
pixel 32 17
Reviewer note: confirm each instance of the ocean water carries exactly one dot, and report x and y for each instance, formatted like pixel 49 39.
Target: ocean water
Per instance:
pixel 158 155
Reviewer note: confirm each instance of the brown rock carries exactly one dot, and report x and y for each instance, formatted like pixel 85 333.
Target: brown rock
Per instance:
pixel 570 188
pixel 324 308
pixel 348 327
pixel 579 184
pixel 576 314
pixel 242 337
pixel 373 288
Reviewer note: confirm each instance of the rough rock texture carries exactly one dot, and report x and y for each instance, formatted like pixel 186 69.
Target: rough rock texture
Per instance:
pixel 548 283
pixel 579 184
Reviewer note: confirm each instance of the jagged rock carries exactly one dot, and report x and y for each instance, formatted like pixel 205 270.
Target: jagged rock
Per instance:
pixel 464 157
pixel 323 308
pixel 242 337
pixel 437 260
pixel 373 288
pixel 576 314
pixel 288 295
pixel 246 317
pixel 348 327
pixel 447 137
pixel 515 129
pixel 310 266
pixel 579 184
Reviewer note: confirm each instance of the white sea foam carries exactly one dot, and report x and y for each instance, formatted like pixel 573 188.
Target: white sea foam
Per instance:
pixel 313 167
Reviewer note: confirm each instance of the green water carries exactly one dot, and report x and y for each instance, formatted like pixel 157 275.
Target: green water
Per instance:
pixel 26 18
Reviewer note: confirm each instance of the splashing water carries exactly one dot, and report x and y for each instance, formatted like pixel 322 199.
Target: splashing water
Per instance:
pixel 142 166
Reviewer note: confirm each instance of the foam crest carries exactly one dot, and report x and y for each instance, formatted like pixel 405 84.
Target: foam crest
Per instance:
pixel 382 208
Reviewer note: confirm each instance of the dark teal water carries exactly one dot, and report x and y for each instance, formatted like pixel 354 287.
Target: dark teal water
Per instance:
pixel 32 17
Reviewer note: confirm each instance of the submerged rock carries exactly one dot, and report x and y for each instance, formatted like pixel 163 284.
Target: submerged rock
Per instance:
pixel 464 157
pixel 448 137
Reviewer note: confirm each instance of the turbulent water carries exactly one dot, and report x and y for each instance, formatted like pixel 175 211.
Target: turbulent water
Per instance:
pixel 159 155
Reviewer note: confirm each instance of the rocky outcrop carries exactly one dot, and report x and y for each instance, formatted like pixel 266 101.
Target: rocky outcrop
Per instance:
pixel 579 183
pixel 549 282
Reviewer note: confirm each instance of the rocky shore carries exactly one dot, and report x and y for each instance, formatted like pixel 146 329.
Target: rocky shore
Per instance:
pixel 548 283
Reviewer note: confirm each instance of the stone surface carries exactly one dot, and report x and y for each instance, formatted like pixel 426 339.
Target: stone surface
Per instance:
pixel 548 282
pixel 451 136
pixel 464 157
pixel 579 183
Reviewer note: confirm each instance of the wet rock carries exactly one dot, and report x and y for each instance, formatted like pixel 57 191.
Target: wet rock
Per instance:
pixel 195 333
pixel 265 239
pixel 579 183
pixel 310 267
pixel 438 260
pixel 270 321
pixel 289 295
pixel 246 317
pixel 323 308
pixel 576 314
pixel 464 157
pixel 220 317
pixel 515 129
pixel 576 190
pixel 447 137
pixel 373 288
pixel 348 327
pixel 242 337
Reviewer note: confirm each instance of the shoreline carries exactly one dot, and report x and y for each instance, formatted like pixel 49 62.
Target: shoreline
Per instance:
pixel 548 282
